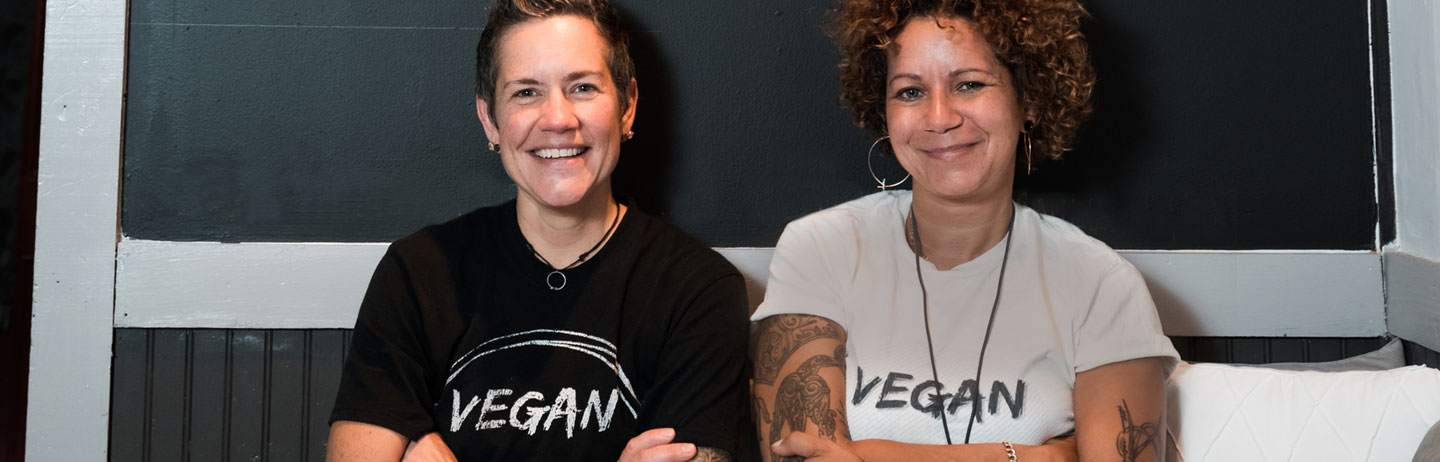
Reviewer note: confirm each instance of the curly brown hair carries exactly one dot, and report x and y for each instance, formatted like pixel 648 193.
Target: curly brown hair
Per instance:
pixel 1038 41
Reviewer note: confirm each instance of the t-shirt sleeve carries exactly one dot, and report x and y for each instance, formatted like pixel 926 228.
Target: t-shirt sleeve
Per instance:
pixel 1121 323
pixel 802 271
pixel 385 380
pixel 701 387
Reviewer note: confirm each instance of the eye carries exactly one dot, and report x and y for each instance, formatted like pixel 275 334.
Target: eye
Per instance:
pixel 970 86
pixel 909 94
pixel 525 93
pixel 586 88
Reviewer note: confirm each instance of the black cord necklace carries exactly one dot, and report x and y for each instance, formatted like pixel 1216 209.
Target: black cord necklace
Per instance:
pixel 925 305
pixel 550 278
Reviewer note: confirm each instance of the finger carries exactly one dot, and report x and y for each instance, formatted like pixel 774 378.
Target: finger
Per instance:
pixel 676 452
pixel 799 444
pixel 647 440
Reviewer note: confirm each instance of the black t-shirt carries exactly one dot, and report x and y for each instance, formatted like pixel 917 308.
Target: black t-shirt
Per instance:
pixel 459 334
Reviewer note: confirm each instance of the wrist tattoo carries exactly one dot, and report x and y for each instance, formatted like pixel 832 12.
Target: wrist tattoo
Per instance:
pixel 709 454
pixel 775 338
pixel 1134 438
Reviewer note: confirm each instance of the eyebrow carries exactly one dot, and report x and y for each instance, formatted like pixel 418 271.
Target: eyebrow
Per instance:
pixel 952 74
pixel 524 81
pixel 577 75
pixel 571 77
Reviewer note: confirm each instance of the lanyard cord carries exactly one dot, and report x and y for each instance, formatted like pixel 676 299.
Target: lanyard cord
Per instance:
pixel 989 325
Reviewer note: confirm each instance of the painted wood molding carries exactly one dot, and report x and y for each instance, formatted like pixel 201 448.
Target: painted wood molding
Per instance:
pixel 274 285
pixel 1412 287
pixel 77 209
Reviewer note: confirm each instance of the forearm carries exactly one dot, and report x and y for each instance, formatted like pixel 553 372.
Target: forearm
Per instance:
pixel 886 450
pixel 362 442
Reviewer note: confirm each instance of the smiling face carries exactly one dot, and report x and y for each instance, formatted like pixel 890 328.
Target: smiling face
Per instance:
pixel 557 113
pixel 952 111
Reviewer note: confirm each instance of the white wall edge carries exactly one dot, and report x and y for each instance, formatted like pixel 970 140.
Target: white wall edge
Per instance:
pixel 76 212
pixel 319 285
pixel 1413 298
pixel 1415 114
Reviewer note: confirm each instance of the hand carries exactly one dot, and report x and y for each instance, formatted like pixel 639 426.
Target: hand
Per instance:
pixel 655 446
pixel 429 448
pixel 811 447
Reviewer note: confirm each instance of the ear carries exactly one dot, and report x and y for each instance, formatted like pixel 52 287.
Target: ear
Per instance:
pixel 492 132
pixel 632 95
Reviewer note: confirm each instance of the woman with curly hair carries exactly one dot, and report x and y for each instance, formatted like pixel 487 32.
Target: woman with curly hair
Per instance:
pixel 950 322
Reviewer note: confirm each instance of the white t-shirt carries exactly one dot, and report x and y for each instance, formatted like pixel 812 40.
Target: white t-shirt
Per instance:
pixel 1069 304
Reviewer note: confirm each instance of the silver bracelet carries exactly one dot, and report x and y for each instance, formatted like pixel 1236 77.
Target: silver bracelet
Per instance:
pixel 1010 451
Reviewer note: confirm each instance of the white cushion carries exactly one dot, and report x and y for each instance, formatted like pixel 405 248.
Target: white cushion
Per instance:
pixel 1223 413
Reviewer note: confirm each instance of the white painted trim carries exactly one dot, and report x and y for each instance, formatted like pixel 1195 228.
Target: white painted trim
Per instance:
pixel 76 213
pixel 309 285
pixel 1413 298
pixel 1415 114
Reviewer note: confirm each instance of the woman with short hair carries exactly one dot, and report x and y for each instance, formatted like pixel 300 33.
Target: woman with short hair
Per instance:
pixel 562 325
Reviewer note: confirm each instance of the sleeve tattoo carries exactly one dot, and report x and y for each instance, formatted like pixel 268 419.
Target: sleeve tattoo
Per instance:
pixel 802 396
pixel 1133 438
pixel 777 337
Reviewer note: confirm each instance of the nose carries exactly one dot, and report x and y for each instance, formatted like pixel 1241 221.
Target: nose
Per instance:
pixel 559 115
pixel 942 116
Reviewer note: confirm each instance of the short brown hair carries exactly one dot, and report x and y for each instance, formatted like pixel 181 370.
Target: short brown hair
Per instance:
pixel 505 14
pixel 1038 41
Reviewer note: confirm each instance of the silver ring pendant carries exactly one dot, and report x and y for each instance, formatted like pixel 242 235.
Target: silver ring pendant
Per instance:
pixel 550 277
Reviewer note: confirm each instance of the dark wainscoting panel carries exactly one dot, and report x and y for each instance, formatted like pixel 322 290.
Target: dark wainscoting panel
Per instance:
pixel 1257 350
pixel 265 395
pixel 1419 355
pixel 223 395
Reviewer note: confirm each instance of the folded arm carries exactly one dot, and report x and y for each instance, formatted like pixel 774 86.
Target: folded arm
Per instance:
pixel 799 388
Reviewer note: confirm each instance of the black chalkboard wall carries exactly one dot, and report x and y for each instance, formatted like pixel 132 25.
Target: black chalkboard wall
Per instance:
pixel 1227 124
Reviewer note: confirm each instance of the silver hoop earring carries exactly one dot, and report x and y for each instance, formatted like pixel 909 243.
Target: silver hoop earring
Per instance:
pixel 881 182
pixel 494 147
pixel 1028 167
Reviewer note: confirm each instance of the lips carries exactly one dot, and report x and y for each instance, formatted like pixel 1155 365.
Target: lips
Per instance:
pixel 555 153
pixel 954 149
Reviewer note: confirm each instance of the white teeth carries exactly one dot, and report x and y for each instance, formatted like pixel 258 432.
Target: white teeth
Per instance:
pixel 557 153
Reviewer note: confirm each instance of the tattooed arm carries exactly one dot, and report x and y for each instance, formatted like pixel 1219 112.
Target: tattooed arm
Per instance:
pixel 708 454
pixel 1119 416
pixel 799 381
pixel 799 387
pixel 1120 411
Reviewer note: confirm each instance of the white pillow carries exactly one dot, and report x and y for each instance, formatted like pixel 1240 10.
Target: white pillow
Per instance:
pixel 1223 413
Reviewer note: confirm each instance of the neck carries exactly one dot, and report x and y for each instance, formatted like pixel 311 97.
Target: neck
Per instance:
pixel 955 232
pixel 562 234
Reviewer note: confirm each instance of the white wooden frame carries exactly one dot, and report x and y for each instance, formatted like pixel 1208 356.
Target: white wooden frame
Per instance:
pixel 319 285
pixel 1412 262
pixel 68 415
pixel 84 288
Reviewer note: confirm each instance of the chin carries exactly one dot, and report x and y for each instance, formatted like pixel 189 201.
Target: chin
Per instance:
pixel 564 197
